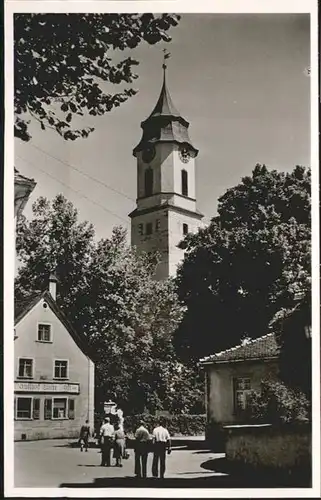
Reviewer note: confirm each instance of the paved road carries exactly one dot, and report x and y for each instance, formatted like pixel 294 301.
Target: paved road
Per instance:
pixel 53 463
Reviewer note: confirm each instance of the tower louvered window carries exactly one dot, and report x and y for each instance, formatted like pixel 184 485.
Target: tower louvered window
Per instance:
pixel 184 183
pixel 149 179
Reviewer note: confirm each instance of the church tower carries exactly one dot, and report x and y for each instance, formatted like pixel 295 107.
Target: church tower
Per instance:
pixel 166 205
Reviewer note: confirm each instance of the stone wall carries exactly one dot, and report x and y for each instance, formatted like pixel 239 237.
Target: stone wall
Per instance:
pixel 284 447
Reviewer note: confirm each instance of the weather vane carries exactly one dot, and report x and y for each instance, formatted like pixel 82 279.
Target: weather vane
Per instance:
pixel 167 55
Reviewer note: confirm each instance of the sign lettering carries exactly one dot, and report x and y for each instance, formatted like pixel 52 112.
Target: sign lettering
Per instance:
pixel 46 387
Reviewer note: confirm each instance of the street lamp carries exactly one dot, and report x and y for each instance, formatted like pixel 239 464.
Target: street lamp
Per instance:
pixel 110 407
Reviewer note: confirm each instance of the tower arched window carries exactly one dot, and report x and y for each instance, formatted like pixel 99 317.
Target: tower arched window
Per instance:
pixel 149 179
pixel 184 183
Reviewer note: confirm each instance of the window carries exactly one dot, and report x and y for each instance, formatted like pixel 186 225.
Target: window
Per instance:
pixel 61 369
pixel 242 388
pixel 71 409
pixel 36 409
pixel 59 408
pixel 185 229
pixel 25 368
pixel 48 409
pixel 149 228
pixel 149 180
pixel 44 333
pixel 157 225
pixel 141 229
pixel 23 408
pixel 184 183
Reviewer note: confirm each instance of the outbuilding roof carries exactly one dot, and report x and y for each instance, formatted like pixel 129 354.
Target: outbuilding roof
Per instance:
pixel 261 348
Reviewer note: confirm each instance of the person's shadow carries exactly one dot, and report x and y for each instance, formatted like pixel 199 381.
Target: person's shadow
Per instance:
pixel 133 482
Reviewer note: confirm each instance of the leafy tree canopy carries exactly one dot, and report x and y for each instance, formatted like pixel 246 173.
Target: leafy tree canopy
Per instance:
pixel 108 292
pixel 62 63
pixel 248 264
pixel 293 331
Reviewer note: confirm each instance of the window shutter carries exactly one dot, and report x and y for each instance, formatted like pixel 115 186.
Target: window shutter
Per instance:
pixel 48 409
pixel 71 409
pixel 36 409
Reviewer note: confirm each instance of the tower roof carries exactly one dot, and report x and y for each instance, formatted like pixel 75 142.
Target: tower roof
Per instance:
pixel 164 106
pixel 164 124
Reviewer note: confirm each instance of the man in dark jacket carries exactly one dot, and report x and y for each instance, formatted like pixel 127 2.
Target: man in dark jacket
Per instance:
pixel 142 441
pixel 84 436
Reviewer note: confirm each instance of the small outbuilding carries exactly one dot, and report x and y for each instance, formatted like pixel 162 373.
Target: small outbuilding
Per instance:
pixel 232 374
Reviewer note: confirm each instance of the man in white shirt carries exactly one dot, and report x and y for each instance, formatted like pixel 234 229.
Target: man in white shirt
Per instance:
pixel 107 433
pixel 162 442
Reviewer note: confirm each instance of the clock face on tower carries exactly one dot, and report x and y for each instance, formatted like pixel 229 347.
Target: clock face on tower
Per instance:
pixel 184 155
pixel 148 154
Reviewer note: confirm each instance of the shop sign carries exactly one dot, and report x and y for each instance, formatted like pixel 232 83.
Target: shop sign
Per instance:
pixel 46 387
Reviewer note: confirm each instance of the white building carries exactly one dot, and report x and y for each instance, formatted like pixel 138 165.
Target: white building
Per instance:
pixel 54 375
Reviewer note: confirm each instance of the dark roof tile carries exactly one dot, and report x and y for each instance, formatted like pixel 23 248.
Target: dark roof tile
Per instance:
pixel 260 348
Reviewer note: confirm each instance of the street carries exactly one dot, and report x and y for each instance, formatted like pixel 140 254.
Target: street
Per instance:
pixel 59 463
pixel 54 463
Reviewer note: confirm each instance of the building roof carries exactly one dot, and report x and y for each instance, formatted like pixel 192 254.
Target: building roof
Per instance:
pixel 164 105
pixel 22 307
pixel 167 206
pixel 18 178
pixel 165 124
pixel 23 186
pixel 261 348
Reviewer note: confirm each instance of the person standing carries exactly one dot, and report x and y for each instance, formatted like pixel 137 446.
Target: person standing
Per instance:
pixel 142 440
pixel 107 433
pixel 84 436
pixel 119 444
pixel 162 443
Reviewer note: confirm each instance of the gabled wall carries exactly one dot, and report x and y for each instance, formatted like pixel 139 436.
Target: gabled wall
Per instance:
pixel 62 347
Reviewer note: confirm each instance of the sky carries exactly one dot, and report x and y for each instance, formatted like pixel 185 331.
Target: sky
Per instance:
pixel 239 80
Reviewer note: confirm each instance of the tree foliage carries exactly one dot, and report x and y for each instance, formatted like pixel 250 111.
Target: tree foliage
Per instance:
pixel 108 293
pixel 293 331
pixel 62 63
pixel 55 240
pixel 248 264
pixel 277 403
